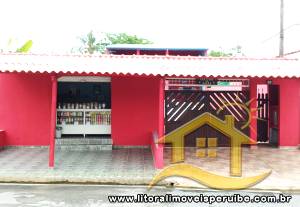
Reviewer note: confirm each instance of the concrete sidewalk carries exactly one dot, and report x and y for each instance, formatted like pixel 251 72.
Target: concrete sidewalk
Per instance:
pixel 135 166
pixel 122 166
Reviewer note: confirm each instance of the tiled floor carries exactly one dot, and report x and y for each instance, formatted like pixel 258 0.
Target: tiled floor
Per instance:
pixel 119 165
pixel 284 164
pixel 135 166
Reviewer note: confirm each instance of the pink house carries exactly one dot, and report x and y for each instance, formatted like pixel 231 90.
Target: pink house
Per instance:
pixel 144 95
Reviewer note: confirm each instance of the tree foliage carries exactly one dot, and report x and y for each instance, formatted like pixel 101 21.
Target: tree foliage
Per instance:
pixel 233 52
pixel 215 53
pixel 123 38
pixel 91 45
pixel 26 47
pixel 12 46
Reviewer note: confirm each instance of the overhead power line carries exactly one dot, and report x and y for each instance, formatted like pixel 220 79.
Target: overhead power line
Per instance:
pixel 275 35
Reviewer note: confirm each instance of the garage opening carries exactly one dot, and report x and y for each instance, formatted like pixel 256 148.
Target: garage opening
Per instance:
pixel 186 99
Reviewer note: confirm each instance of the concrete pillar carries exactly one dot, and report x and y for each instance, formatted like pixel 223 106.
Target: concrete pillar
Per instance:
pixel 253 105
pixel 159 154
pixel 53 121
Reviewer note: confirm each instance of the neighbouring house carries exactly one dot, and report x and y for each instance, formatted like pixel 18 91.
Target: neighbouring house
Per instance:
pixel 135 94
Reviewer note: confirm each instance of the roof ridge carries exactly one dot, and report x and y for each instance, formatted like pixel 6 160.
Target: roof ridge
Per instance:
pixel 147 56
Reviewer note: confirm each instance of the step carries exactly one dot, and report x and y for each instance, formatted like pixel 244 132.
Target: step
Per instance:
pixel 83 141
pixel 86 147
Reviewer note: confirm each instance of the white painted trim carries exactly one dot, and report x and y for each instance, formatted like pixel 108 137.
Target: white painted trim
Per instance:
pixel 83 79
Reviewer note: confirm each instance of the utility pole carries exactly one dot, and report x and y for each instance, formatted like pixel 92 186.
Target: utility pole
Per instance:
pixel 281 36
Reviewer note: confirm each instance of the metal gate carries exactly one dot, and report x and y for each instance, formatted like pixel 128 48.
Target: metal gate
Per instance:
pixel 182 106
pixel 262 116
pixel 268 114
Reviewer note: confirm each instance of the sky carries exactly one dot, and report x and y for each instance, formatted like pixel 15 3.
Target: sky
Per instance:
pixel 55 25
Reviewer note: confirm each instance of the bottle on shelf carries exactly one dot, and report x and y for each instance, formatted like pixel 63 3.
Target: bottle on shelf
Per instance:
pixel 85 116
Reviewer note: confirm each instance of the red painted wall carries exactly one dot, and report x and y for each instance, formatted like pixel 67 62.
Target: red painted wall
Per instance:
pixel 2 143
pixel 25 108
pixel 158 149
pixel 289 114
pixel 135 109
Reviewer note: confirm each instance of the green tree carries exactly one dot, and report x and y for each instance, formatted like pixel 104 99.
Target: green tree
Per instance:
pixel 215 53
pixel 26 47
pixel 123 38
pixel 10 47
pixel 91 45
pixel 233 52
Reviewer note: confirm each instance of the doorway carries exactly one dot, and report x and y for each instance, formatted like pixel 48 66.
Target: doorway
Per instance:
pixel 83 107
pixel 268 114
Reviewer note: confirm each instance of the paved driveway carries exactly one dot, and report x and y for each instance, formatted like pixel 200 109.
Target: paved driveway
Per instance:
pixel 284 164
